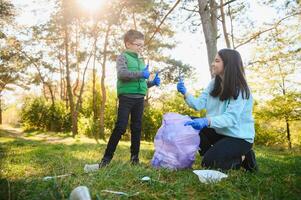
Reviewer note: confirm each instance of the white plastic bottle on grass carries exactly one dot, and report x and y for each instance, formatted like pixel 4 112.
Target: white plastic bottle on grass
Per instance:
pixel 80 193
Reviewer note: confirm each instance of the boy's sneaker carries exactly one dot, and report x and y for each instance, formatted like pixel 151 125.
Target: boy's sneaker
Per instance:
pixel 249 162
pixel 104 162
pixel 135 160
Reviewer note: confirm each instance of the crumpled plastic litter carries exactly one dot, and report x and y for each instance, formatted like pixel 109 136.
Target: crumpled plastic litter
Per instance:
pixel 46 178
pixel 210 176
pixel 91 168
pixel 145 178
pixel 120 193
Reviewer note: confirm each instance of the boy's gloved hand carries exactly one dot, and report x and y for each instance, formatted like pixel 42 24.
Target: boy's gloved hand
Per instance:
pixel 181 87
pixel 198 123
pixel 156 81
pixel 145 72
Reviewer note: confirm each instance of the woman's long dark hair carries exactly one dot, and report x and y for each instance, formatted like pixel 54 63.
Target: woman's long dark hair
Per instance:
pixel 234 80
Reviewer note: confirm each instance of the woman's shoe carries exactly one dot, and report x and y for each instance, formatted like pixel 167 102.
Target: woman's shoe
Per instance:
pixel 249 163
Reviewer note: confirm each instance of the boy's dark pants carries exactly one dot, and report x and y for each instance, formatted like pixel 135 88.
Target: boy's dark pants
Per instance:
pixel 222 152
pixel 127 106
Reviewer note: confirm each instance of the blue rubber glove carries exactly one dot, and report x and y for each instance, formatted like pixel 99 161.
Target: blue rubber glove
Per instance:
pixel 198 123
pixel 145 72
pixel 156 81
pixel 181 87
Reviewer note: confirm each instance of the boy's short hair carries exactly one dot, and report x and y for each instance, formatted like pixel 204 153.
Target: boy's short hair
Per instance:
pixel 133 35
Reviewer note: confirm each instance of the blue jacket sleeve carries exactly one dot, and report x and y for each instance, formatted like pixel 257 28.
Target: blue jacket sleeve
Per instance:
pixel 231 115
pixel 199 103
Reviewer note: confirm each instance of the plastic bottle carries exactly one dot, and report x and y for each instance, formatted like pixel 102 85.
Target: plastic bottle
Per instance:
pixel 80 193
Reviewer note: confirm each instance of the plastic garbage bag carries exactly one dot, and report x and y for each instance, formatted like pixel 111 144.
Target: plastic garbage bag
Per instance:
pixel 175 144
pixel 209 176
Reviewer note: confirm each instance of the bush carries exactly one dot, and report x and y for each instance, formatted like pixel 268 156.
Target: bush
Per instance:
pixel 38 114
pixel 152 119
pixel 268 135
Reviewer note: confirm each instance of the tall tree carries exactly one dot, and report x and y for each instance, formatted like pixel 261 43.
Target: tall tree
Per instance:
pixel 12 66
pixel 278 67
pixel 208 13
pixel 9 60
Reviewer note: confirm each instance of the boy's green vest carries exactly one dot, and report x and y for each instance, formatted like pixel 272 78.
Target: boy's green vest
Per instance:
pixel 135 86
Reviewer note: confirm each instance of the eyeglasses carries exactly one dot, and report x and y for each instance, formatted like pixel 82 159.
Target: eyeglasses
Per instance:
pixel 138 45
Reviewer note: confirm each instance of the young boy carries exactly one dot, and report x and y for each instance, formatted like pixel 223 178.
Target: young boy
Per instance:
pixel 131 89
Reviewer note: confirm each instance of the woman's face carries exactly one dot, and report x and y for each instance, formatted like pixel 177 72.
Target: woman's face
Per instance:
pixel 218 66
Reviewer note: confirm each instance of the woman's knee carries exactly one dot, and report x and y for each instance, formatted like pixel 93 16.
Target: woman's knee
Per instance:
pixel 208 161
pixel 212 161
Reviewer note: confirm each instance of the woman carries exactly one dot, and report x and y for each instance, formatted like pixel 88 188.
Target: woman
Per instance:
pixel 227 131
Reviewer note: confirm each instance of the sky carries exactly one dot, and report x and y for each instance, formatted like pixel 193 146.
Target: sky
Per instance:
pixel 191 48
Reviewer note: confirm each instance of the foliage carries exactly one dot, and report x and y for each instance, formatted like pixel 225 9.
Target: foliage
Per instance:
pixel 12 64
pixel 152 118
pixel 7 12
pixel 39 114
pixel 282 107
pixel 270 118
pixel 174 69
pixel 11 115
pixel 268 133
pixel 92 124
pixel 176 103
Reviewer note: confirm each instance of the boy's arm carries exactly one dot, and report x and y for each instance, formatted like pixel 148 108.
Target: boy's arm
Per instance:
pixel 122 70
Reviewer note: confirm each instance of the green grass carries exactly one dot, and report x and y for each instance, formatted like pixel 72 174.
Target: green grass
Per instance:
pixel 26 158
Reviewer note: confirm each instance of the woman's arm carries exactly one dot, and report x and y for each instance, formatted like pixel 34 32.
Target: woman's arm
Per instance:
pixel 232 114
pixel 199 103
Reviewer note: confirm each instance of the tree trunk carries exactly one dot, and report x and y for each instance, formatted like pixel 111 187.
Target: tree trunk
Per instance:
pixel 0 110
pixel 208 13
pixel 68 82
pixel 103 88
pixel 226 36
pixel 94 92
pixel 288 134
pixel 63 82
pixel 75 87
pixel 51 93
pixel 231 24
pixel 62 88
pixel 79 99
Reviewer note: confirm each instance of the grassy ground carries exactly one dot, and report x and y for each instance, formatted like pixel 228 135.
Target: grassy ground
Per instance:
pixel 27 158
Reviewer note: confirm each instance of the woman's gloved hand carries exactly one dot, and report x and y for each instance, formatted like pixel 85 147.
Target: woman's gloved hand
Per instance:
pixel 198 123
pixel 181 87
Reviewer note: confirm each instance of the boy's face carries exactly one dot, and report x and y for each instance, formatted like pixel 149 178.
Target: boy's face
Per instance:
pixel 135 46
